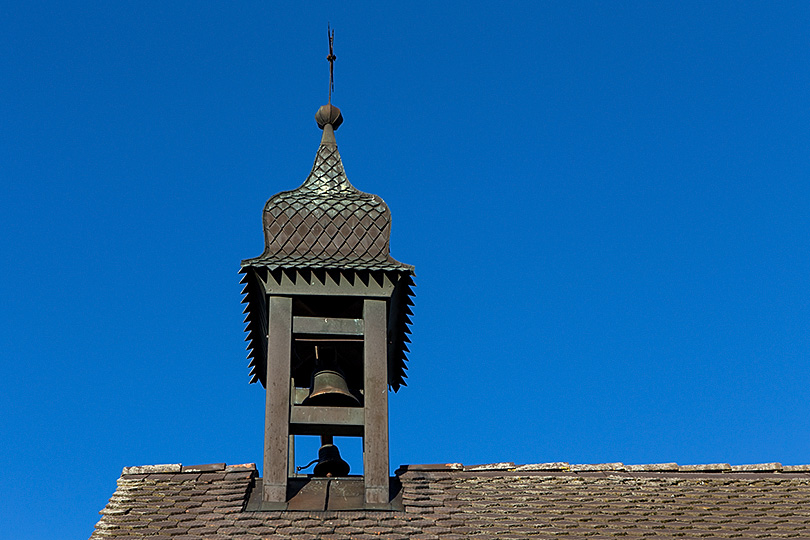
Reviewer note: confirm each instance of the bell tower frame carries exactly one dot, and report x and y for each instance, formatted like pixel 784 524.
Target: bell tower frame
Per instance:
pixel 285 414
pixel 326 282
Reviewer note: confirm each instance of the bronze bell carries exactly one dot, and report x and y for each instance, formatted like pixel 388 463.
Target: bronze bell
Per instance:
pixel 330 464
pixel 329 389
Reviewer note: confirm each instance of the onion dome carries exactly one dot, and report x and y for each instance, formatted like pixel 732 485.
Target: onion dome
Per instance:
pixel 327 222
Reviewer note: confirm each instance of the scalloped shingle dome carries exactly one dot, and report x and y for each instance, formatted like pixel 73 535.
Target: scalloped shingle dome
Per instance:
pixel 327 222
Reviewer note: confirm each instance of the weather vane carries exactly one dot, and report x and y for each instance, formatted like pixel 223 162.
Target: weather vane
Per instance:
pixel 331 58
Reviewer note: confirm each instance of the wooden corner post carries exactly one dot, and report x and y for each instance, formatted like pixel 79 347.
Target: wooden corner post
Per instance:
pixel 277 401
pixel 375 374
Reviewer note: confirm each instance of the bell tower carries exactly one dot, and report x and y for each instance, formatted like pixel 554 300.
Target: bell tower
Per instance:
pixel 328 322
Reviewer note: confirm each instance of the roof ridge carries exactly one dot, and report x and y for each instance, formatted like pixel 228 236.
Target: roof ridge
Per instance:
pixel 179 468
pixel 561 466
pixel 557 466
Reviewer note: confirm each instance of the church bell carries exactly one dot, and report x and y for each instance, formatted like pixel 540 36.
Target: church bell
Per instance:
pixel 329 389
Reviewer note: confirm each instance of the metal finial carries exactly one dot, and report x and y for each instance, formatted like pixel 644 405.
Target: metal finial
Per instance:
pixel 331 58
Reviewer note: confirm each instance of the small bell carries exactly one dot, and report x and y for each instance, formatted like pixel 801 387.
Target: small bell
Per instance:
pixel 330 464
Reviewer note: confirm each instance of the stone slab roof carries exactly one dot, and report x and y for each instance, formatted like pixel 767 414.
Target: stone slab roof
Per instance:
pixel 502 500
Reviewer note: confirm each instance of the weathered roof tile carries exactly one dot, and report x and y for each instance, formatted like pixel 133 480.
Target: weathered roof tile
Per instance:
pixel 556 466
pixel 204 468
pixel 147 469
pixel 505 466
pixel 652 467
pixel 757 467
pixel 709 467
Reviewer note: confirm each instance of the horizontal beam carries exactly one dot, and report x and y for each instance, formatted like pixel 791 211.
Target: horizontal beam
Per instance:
pixel 336 430
pixel 328 326
pixel 312 420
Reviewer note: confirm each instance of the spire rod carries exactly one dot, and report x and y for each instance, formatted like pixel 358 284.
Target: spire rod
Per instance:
pixel 331 58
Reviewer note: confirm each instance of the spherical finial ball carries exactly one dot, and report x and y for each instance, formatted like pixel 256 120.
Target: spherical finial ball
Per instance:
pixel 329 114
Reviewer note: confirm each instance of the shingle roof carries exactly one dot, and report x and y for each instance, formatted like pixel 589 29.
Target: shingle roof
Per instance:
pixel 501 500
pixel 327 223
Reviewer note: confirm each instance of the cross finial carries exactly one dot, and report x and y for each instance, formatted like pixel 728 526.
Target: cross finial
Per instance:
pixel 331 58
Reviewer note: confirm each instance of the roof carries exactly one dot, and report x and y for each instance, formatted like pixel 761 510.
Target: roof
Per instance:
pixel 453 501
pixel 327 222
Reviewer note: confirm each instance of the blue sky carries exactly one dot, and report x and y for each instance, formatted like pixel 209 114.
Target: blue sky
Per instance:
pixel 607 205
